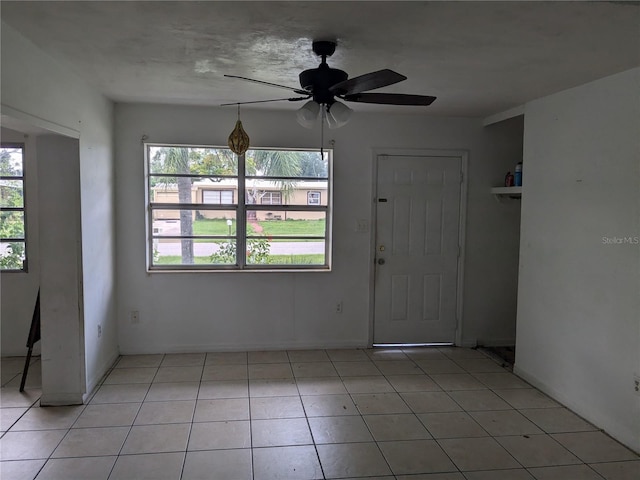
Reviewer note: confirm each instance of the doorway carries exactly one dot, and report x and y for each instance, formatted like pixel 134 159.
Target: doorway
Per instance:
pixel 417 248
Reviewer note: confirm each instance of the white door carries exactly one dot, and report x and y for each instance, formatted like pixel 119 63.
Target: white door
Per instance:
pixel 417 249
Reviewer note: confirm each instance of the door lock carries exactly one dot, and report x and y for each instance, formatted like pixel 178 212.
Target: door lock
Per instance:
pixel 381 261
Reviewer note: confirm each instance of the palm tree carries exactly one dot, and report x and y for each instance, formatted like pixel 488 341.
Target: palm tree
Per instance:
pixel 276 163
pixel 176 160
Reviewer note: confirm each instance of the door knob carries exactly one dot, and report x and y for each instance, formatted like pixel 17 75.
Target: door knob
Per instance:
pixel 381 261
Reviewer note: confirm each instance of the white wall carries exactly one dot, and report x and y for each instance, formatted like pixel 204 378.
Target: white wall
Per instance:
pixel 18 290
pixel 578 324
pixel 240 310
pixel 39 90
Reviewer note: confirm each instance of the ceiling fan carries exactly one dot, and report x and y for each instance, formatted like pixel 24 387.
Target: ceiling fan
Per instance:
pixel 322 86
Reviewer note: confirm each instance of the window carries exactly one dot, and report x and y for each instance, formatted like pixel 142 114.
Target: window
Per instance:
pixel 196 218
pixel 13 252
pixel 217 196
pixel 271 198
pixel 313 198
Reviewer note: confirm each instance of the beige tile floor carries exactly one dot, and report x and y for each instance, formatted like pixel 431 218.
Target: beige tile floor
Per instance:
pixel 418 413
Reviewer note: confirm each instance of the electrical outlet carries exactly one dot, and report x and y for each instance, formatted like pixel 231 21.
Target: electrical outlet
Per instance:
pixel 339 307
pixel 135 316
pixel 99 331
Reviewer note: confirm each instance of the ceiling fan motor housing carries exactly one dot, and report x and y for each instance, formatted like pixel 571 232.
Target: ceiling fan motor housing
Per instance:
pixel 317 81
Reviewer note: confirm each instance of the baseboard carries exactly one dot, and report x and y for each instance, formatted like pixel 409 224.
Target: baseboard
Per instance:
pixel 61 399
pixel 146 350
pixel 578 409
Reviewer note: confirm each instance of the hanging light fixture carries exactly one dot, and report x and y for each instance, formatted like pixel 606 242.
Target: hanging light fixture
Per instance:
pixel 238 140
pixel 337 114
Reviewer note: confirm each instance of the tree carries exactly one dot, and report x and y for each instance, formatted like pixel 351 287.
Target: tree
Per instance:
pixel 188 161
pixel 11 221
pixel 276 163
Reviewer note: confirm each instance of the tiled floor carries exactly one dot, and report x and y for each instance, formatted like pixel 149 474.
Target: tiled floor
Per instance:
pixel 437 414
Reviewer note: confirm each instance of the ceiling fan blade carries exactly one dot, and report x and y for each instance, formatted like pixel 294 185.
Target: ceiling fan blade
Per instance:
pixel 390 99
pixel 368 81
pixel 295 90
pixel 293 99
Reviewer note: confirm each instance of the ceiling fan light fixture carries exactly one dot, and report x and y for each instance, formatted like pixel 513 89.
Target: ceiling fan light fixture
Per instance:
pixel 338 114
pixel 308 114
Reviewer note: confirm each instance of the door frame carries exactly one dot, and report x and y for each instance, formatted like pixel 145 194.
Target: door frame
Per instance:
pixel 422 152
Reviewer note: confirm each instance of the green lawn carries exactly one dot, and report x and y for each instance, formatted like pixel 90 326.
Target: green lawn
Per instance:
pixel 308 259
pixel 275 228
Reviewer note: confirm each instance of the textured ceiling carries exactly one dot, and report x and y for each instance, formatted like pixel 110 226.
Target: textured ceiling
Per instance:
pixel 478 58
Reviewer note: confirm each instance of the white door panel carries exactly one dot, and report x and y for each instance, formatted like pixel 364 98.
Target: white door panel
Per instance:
pixel 418 213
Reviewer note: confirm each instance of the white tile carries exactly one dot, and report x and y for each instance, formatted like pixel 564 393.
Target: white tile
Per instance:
pixel 85 442
pixel 320 386
pixel 153 413
pixel 130 361
pixel 380 403
pixel 268 357
pixel 9 416
pixel 94 468
pixel 501 380
pixel 291 463
pixel 280 432
pixel 557 420
pixel 356 369
pixel 592 447
pixel 272 387
pixel 48 418
pixel 474 400
pixel 308 356
pixel 618 470
pixel 451 425
pixel 178 374
pixel 29 445
pixel 565 472
pixel 157 439
pixel 313 369
pixel 108 415
pixel 505 422
pixel 328 405
pixel 345 429
pixel 482 453
pixel 164 392
pixel 130 375
pixel 134 393
pixel 217 372
pixel 526 398
pixel 510 474
pixel 347 355
pixel 352 459
pixel 220 435
pixel 457 381
pixel 224 389
pixel 20 469
pixel 221 409
pixel 183 359
pixel 428 402
pixel 367 384
pixel 270 370
pixel 226 358
pixel 158 466
pixel 396 427
pixel 416 456
pixel 413 383
pixel 398 367
pixel 276 407
pixel 222 464
pixel 537 451
pixel 11 397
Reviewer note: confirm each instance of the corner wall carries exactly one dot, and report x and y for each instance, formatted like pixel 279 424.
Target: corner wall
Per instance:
pixel 578 330
pixel 39 90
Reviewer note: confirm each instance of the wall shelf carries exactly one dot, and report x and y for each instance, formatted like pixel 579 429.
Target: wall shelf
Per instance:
pixel 511 192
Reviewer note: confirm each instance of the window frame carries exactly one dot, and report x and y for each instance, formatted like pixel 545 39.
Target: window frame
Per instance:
pixel 22 178
pixel 311 194
pixel 241 209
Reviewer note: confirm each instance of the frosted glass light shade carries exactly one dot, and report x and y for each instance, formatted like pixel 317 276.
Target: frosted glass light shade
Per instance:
pixel 338 115
pixel 308 114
